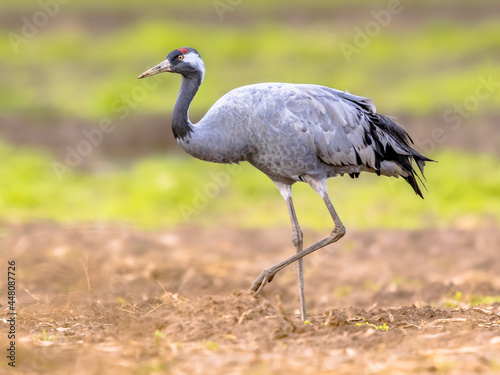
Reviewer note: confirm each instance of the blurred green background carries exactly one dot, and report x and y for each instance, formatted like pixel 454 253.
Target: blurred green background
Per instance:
pixel 67 67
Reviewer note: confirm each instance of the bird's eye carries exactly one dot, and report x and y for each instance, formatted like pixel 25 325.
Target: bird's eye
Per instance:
pixel 180 57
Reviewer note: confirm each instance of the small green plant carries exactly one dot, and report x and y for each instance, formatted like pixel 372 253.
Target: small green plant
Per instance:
pixel 470 299
pixel 211 345
pixel 122 301
pixel 45 336
pixel 158 336
pixel 483 300
pixel 383 327
pixel 454 301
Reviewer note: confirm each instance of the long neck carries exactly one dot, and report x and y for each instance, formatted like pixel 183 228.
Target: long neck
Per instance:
pixel 181 126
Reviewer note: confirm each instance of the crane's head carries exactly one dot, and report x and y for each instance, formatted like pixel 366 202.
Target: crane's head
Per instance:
pixel 185 61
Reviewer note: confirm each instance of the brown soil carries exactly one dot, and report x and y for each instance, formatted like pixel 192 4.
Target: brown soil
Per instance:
pixel 102 299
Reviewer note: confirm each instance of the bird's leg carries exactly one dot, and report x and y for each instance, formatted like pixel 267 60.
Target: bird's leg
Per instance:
pixel 337 233
pixel 297 239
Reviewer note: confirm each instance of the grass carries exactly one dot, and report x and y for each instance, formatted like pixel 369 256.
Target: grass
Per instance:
pixel 157 192
pixel 477 300
pixel 74 74
pixel 72 71
pixel 460 300
pixel 201 6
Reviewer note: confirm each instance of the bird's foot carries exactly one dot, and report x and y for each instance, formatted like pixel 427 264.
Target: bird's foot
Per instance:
pixel 261 281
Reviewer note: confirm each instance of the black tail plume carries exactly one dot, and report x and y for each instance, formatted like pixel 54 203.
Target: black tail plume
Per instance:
pixel 398 149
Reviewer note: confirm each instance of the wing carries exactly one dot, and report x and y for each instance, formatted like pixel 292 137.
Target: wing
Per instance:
pixel 345 130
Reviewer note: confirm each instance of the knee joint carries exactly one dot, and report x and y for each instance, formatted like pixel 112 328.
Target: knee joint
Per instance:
pixel 338 232
pixel 297 237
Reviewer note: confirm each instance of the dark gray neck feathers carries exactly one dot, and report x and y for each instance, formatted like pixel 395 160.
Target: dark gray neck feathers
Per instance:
pixel 181 126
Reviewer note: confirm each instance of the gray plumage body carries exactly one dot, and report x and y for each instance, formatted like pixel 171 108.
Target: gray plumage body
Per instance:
pixel 291 132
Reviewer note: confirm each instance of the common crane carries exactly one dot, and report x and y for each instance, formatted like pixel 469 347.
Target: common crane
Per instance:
pixel 292 133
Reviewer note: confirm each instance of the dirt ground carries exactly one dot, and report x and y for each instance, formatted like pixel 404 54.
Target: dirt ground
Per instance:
pixel 107 299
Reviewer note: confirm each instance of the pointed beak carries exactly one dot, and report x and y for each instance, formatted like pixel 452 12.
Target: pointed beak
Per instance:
pixel 164 66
